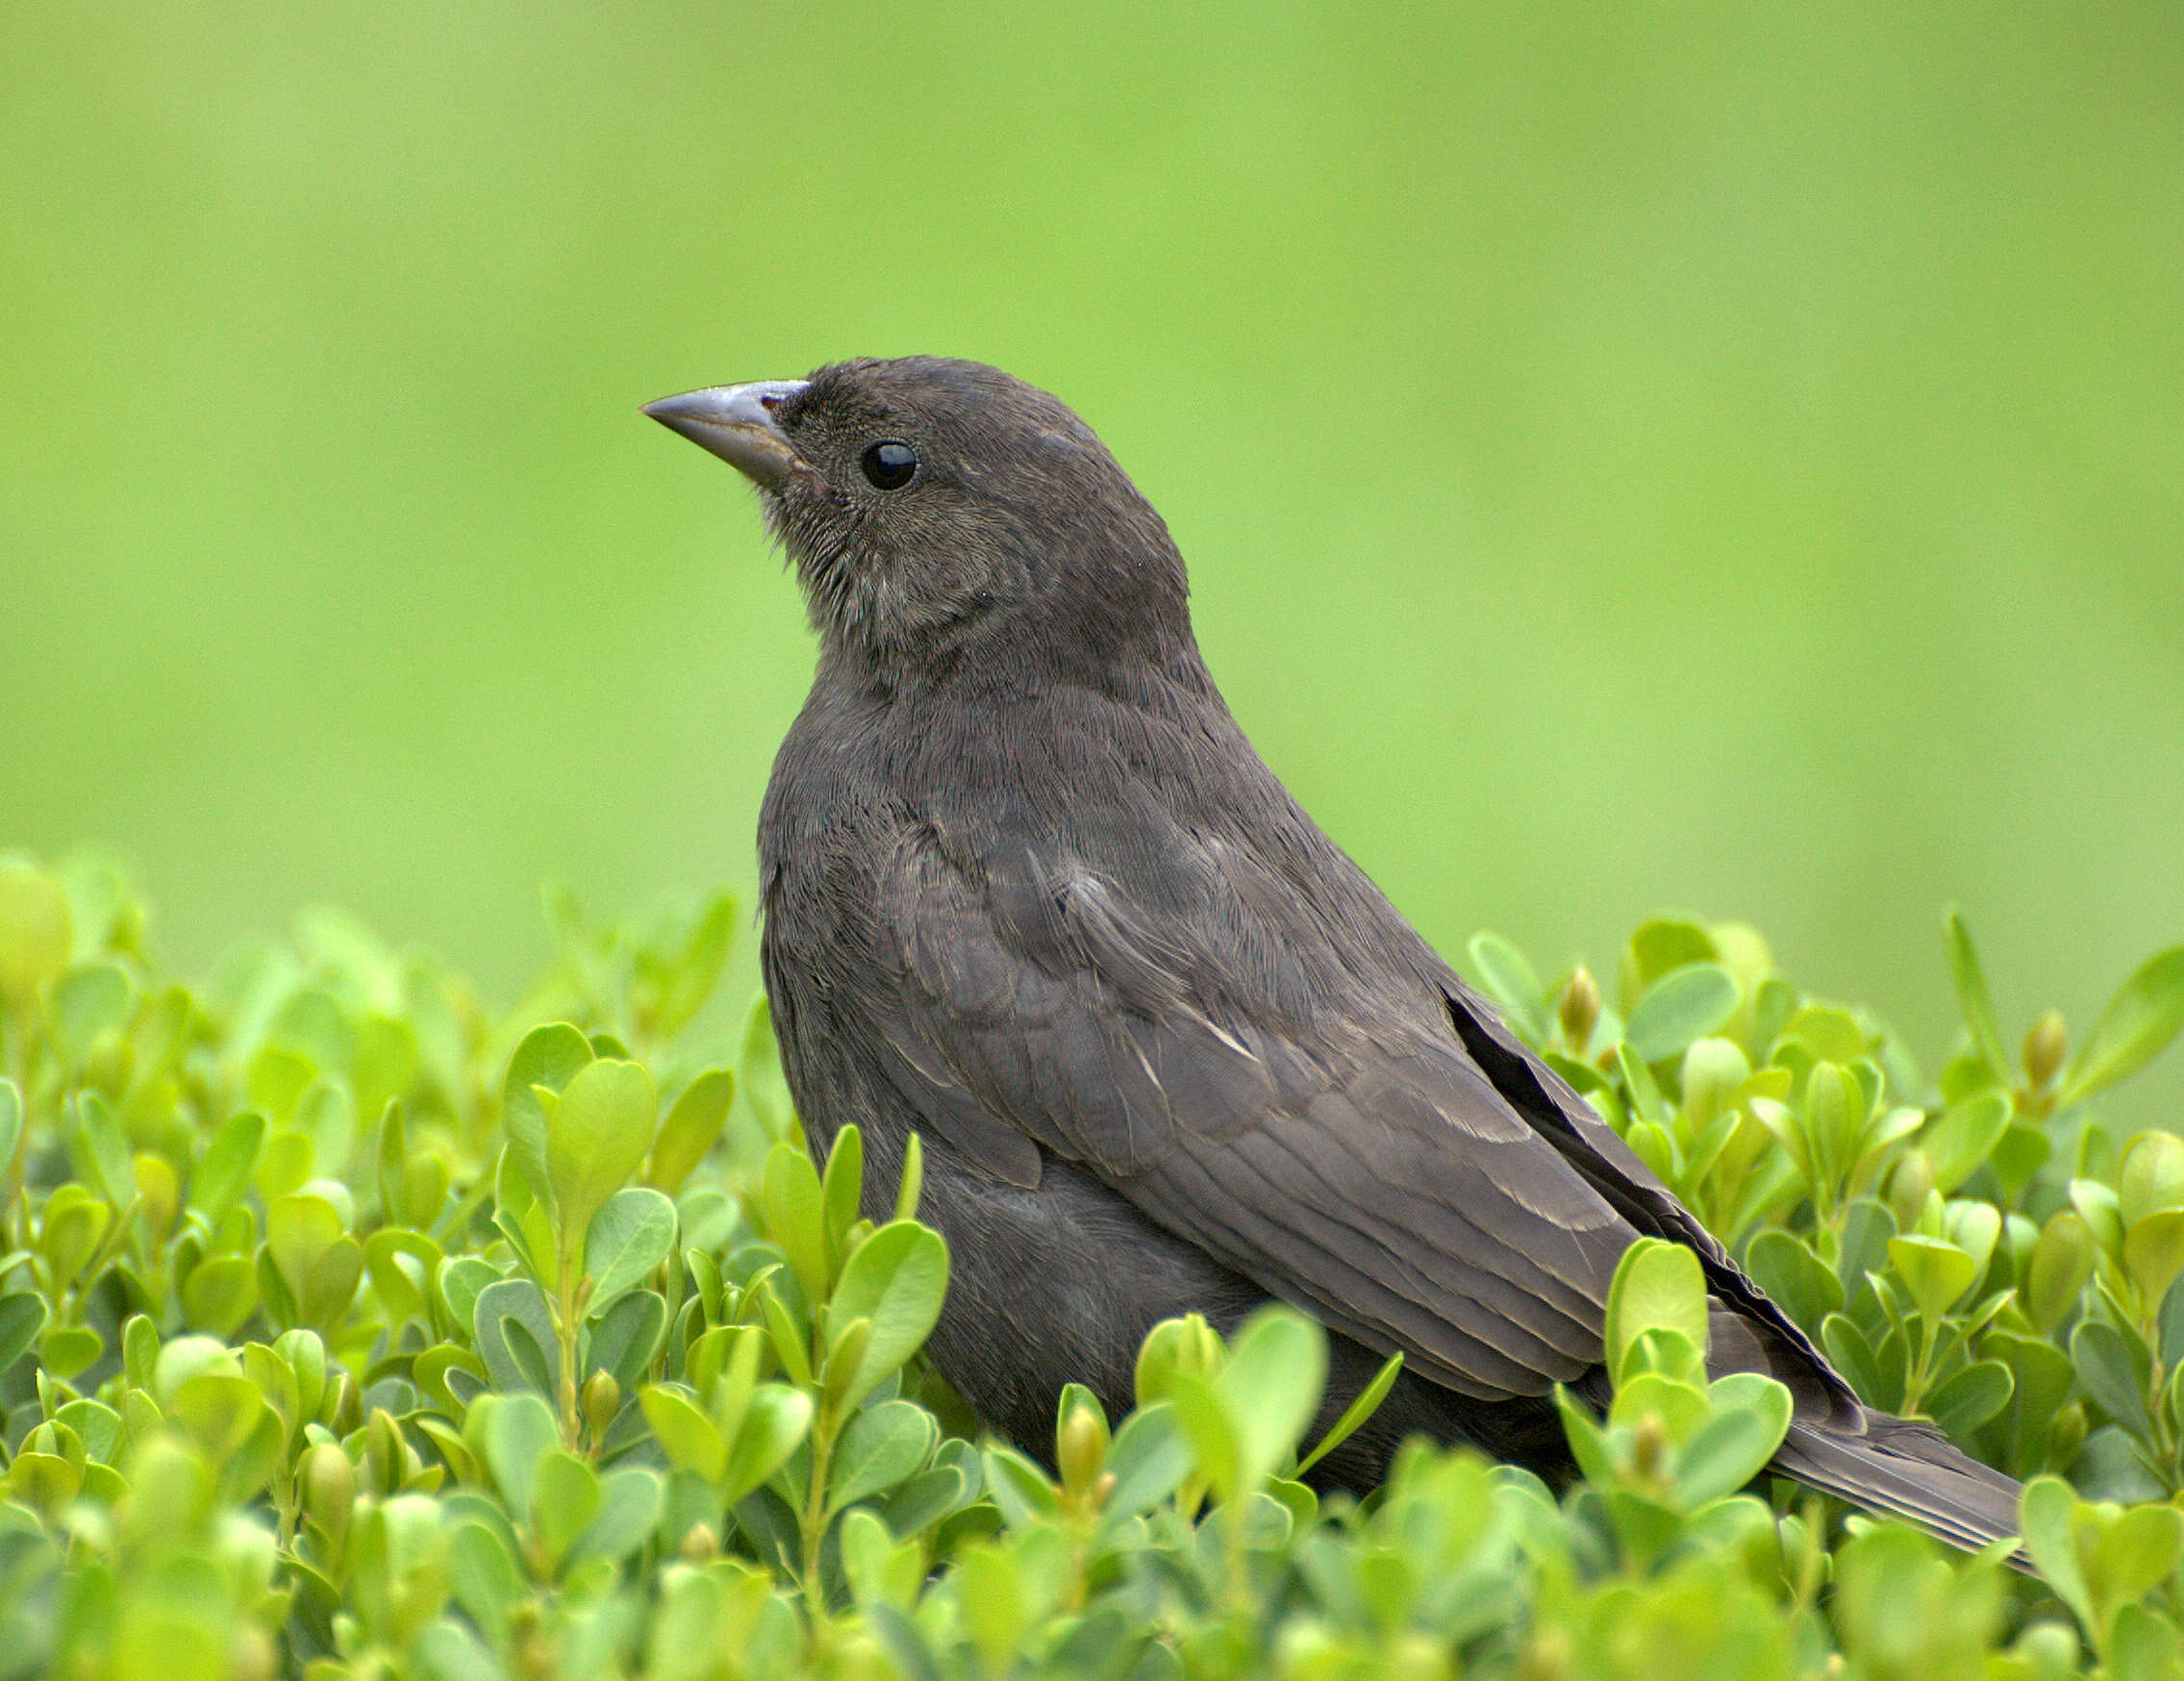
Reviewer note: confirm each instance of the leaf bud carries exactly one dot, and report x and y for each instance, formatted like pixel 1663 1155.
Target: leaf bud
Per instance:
pixel 2066 1434
pixel 251 1656
pixel 329 1490
pixel 35 933
pixel 2151 1176
pixel 1188 1345
pixel 424 1188
pixel 1550 1655
pixel 2050 1649
pixel 347 1414
pixel 2044 1049
pixel 1650 1446
pixel 1713 1071
pixel 602 1400
pixel 1080 1451
pixel 1909 1183
pixel 701 1543
pixel 1580 1012
pixel 385 1453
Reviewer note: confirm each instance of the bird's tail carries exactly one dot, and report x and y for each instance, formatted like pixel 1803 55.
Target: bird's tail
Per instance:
pixel 1905 1469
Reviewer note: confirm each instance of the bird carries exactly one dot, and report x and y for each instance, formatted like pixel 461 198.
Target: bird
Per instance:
pixel 1029 893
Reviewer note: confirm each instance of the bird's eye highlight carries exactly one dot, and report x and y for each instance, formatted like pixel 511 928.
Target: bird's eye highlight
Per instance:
pixel 889 465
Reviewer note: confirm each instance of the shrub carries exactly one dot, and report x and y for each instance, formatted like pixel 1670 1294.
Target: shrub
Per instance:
pixel 350 1328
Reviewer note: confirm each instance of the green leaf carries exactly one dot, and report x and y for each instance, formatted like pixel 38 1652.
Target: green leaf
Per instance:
pixel 630 1236
pixel 680 987
pixel 690 1130
pixel 1971 1397
pixel 74 1225
pixel 882 1447
pixel 913 1506
pixel 1214 1436
pixel 2102 1213
pixel 484 1577
pixel 598 1135
pixel 1366 1403
pixel 2153 1253
pixel 1277 1366
pixel 2142 1646
pixel 218 1294
pixel 795 1216
pixel 22 1317
pixel 913 1183
pixel 841 1188
pixel 549 1057
pixel 897 1279
pixel 1509 980
pixel 1784 1266
pixel 1752 1417
pixel 564 1497
pixel 512 1435
pixel 90 1001
pixel 1657 1284
pixel 2150 1177
pixel 70 1349
pixel 1937 1274
pixel 2110 1375
pixel 1682 1006
pixel 881 1573
pixel 773 1424
pixel 789 1338
pixel 11 1124
pixel 1149 1459
pixel 1851 1353
pixel 217 1408
pixel 2146 1014
pixel 690 1440
pixel 401 1264
pixel 449 1376
pixel 624 1339
pixel 2021 1152
pixel 1971 994
pixel 1678 1401
pixel 99 1150
pixel 1018 1488
pixel 317 1260
pixel 2044 1511
pixel 1588 1442
pixel 2124 1554
pixel 34 931
pixel 515 1336
pixel 630 1501
pixel 1658 946
pixel 1961 1137
pixel 2040 1379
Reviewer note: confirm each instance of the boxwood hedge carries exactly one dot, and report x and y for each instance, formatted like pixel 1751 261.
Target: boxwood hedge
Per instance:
pixel 352 1327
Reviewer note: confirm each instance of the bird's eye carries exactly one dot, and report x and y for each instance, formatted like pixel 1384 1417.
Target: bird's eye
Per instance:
pixel 889 465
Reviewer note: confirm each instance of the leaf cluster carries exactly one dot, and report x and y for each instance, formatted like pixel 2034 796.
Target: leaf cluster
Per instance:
pixel 348 1328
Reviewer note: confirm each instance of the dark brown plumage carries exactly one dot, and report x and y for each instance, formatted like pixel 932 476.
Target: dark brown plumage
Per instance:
pixel 1030 893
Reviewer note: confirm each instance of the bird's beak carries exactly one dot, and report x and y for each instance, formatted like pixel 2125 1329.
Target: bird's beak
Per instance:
pixel 737 424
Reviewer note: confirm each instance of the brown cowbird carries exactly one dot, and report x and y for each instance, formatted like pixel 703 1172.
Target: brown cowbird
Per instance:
pixel 1030 893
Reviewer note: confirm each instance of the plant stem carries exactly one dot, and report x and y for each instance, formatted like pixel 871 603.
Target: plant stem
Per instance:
pixel 815 1512
pixel 564 1327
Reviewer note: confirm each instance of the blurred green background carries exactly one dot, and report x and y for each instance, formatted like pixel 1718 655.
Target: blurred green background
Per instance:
pixel 1728 459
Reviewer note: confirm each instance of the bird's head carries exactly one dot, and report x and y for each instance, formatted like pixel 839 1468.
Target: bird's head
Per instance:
pixel 928 503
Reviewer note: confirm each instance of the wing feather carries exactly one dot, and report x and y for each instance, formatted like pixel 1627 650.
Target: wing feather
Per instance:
pixel 1242 1084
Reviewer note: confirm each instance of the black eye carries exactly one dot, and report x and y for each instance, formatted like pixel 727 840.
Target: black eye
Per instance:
pixel 889 465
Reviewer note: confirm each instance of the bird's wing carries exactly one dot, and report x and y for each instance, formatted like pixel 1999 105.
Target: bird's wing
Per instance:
pixel 1222 1052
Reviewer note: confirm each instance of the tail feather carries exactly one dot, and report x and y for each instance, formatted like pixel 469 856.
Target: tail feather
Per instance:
pixel 1905 1469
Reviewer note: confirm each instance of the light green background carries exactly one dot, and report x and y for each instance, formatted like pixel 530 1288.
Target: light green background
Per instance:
pixel 1630 456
